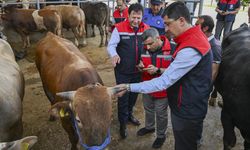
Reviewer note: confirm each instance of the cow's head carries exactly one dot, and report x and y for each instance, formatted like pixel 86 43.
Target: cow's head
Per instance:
pixel 90 107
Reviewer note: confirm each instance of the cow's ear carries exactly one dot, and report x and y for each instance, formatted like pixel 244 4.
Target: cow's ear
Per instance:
pixel 60 109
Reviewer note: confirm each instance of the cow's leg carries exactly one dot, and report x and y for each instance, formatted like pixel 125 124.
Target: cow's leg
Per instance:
pixel 229 138
pixel 93 30
pixel 213 97
pixel 52 101
pixel 106 33
pixel 24 38
pixel 246 135
pixel 80 40
pixel 87 31
pixel 28 40
pixel 77 37
pixel 67 125
pixel 84 41
pixel 100 27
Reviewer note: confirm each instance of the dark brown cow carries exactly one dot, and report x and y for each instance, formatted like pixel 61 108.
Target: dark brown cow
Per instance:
pixel 72 18
pixel 25 21
pixel 63 67
pixel 97 13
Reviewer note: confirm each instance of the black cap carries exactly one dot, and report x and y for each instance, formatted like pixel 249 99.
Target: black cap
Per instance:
pixel 157 2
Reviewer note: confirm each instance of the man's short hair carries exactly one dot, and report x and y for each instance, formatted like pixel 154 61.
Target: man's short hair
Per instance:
pixel 177 10
pixel 135 7
pixel 151 32
pixel 208 22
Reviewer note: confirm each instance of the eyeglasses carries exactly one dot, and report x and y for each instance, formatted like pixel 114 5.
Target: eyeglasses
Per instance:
pixel 170 21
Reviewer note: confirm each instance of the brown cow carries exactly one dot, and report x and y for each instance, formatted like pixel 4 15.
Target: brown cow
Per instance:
pixel 63 67
pixel 73 18
pixel 25 21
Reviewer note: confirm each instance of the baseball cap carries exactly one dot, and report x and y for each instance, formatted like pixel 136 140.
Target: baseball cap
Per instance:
pixel 157 2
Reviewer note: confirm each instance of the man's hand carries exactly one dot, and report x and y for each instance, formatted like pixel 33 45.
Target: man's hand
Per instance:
pixel 115 60
pixel 140 66
pixel 151 69
pixel 121 89
pixel 225 13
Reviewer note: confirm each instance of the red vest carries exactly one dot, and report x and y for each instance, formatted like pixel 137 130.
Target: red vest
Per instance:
pixel 163 60
pixel 119 17
pixel 130 47
pixel 189 39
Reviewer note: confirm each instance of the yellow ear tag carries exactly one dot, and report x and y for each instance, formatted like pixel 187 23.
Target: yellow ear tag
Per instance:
pixel 62 113
pixel 25 146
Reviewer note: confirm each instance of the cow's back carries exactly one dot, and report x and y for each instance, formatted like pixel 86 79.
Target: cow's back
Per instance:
pixel 20 19
pixel 69 19
pixel 233 81
pixel 62 66
pixel 11 95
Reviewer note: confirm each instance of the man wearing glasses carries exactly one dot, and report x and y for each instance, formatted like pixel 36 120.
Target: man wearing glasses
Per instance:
pixel 188 78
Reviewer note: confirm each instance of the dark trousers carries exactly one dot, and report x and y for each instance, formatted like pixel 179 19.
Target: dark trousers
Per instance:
pixel 220 25
pixel 186 132
pixel 128 100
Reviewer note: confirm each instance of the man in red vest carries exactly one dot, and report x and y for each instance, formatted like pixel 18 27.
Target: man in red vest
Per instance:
pixel 155 59
pixel 121 12
pixel 124 48
pixel 226 13
pixel 188 79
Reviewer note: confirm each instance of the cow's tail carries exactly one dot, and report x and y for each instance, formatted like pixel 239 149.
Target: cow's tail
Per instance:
pixel 59 25
pixel 107 19
pixel 81 26
pixel 107 25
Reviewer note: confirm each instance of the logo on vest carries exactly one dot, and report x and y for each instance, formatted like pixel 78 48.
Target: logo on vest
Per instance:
pixel 231 6
pixel 125 37
pixel 158 22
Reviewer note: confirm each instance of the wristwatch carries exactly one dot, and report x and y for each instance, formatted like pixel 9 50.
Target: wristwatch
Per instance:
pixel 128 87
pixel 158 71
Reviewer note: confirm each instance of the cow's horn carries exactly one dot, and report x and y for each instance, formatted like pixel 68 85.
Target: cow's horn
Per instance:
pixel 114 90
pixel 67 95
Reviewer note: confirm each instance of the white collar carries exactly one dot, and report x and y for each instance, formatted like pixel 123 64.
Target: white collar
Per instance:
pixel 210 38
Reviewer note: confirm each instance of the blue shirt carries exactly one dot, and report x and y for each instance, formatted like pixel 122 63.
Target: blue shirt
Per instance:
pixel 185 60
pixel 155 21
pixel 216 49
pixel 113 42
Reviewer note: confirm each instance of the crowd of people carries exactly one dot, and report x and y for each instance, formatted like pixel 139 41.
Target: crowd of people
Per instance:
pixel 158 52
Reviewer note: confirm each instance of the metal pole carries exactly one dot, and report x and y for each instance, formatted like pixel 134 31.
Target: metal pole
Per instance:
pixel 38 4
pixel 201 7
